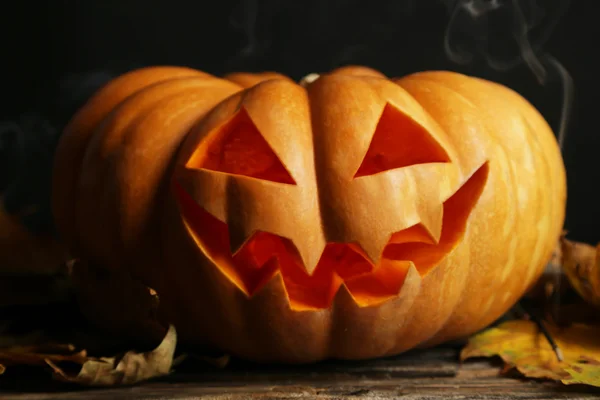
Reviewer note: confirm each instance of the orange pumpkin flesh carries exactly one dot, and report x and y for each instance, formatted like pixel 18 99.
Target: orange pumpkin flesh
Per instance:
pixel 356 217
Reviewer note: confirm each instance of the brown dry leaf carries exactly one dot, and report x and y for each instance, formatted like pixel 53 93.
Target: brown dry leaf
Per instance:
pixel 131 368
pixel 521 345
pixel 581 263
pixel 27 358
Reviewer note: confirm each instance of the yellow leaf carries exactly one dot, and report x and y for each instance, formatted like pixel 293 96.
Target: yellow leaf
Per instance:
pixel 131 368
pixel 581 263
pixel 521 345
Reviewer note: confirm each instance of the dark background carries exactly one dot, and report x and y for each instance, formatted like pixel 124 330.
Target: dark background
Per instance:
pixel 55 53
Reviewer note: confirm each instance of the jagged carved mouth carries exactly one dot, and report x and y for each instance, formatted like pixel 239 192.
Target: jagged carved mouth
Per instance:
pixel 265 254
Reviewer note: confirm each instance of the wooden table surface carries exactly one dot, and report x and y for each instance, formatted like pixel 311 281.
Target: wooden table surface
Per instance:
pixel 428 374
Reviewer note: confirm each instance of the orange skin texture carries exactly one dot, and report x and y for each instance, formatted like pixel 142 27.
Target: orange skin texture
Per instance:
pixel 77 134
pixel 483 194
pixel 246 79
pixel 357 70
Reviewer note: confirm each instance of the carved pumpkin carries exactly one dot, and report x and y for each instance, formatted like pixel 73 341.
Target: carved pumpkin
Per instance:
pixel 355 217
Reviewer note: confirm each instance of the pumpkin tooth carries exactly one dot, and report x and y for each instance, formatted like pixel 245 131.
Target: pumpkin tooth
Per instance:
pixel 274 287
pixel 344 299
pixel 373 247
pixel 432 220
pixel 310 251
pixel 412 282
pixel 237 239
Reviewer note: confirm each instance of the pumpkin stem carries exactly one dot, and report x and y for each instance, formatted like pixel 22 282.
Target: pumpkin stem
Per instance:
pixel 308 79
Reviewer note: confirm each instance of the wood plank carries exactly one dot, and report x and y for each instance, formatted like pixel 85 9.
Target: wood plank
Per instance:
pixel 419 388
pixel 431 374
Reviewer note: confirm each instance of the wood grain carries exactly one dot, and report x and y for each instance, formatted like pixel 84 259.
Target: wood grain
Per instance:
pixel 427 374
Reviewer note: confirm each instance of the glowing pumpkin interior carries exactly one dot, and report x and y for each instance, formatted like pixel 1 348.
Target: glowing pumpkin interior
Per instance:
pixel 238 148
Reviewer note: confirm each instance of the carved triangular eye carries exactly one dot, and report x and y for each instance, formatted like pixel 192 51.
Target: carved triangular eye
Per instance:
pixel 238 148
pixel 399 142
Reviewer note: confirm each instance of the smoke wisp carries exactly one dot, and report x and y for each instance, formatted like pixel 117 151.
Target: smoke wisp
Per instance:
pixel 507 34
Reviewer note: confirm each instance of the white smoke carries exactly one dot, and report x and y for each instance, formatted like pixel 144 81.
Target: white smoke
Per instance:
pixel 507 34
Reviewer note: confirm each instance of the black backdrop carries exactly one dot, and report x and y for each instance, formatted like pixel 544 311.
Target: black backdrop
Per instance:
pixel 56 52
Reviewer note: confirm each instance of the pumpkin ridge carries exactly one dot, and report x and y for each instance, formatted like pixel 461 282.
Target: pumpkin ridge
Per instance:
pixel 102 155
pixel 484 317
pixel 495 135
pixel 76 135
pixel 510 172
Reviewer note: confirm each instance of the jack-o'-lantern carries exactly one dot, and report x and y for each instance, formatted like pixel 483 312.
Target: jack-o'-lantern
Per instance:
pixel 357 216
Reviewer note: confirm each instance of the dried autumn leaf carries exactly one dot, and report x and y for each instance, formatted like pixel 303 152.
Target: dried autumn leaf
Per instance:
pixel 40 355
pixel 521 345
pixel 30 357
pixel 131 368
pixel 581 263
